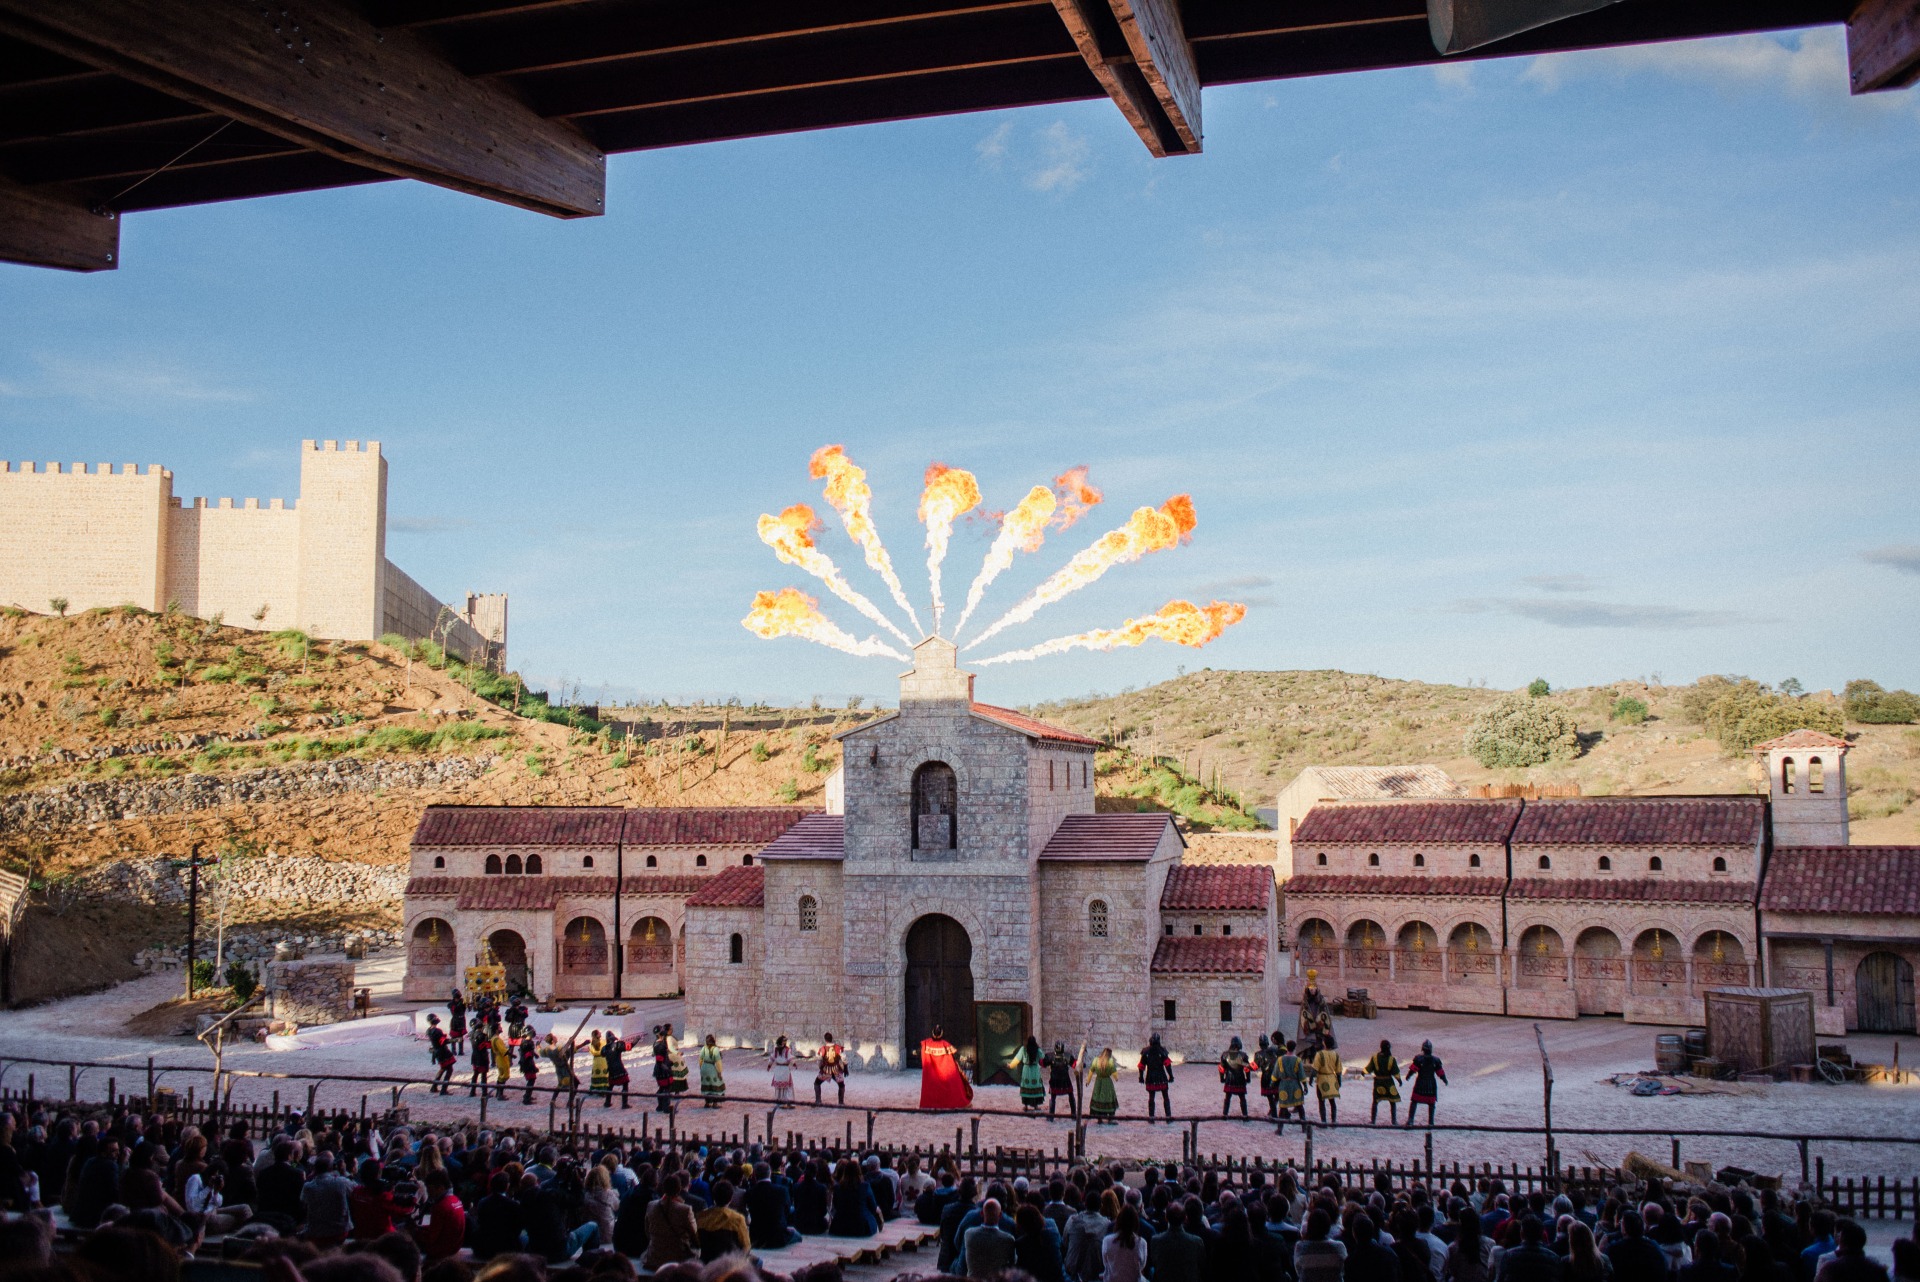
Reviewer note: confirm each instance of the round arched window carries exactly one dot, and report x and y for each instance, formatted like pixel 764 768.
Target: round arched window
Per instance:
pixel 935 807
pixel 1097 919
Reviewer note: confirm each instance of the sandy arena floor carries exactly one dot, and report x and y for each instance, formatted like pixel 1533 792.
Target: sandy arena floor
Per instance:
pixel 1493 1063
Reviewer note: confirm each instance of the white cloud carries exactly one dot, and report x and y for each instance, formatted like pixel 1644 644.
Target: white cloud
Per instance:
pixel 1808 65
pixel 993 148
pixel 1066 159
pixel 1560 582
pixel 1456 77
pixel 128 382
pixel 1601 614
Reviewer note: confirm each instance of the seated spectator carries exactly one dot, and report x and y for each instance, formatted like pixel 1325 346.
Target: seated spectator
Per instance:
pixel 1036 1245
pixel 672 1234
pixel 987 1246
pixel 723 1230
pixel 855 1213
pixel 1850 1262
pixel 769 1205
pixel 441 1227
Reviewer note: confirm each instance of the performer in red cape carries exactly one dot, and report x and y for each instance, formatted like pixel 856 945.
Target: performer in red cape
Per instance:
pixel 942 1085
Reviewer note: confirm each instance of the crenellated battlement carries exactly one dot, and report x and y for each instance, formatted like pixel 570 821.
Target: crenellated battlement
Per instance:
pixel 336 447
pixel 30 468
pixel 245 505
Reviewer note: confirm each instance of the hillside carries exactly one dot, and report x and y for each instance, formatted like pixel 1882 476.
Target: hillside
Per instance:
pixel 1254 731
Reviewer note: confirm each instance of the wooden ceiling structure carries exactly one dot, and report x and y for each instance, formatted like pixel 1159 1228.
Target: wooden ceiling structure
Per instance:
pixel 109 107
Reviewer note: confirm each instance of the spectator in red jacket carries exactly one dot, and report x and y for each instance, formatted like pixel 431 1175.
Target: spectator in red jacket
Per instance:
pixel 442 1227
pixel 371 1205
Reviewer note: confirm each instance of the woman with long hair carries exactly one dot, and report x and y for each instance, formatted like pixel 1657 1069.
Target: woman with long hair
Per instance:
pixel 713 1077
pixel 1584 1261
pixel 1123 1254
pixel 855 1212
pixel 1033 1086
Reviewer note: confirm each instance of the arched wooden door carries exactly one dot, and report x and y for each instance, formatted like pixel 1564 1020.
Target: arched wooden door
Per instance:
pixel 511 952
pixel 1883 987
pixel 939 984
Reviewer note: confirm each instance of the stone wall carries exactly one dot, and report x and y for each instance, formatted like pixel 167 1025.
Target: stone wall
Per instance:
pixel 801 968
pixel 94 537
pixel 230 561
pixel 1094 988
pixel 723 996
pixel 310 992
pixel 106 800
pixel 1197 1031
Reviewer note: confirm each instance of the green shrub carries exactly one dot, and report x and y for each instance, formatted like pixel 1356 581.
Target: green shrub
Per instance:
pixel 202 972
pixel 109 717
pixel 1629 710
pixel 242 981
pixel 1538 688
pixel 1871 703
pixel 619 760
pixel 761 752
pixel 399 739
pixel 1520 730
pixel 219 674
pixel 811 760
pixel 788 792
pixel 1744 712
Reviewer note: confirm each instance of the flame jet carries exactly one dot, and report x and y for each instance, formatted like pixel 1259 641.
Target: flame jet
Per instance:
pixel 850 495
pixel 1147 530
pixel 1181 622
pixel 949 494
pixel 792 613
pixel 1076 496
pixel 1024 527
pixel 790 535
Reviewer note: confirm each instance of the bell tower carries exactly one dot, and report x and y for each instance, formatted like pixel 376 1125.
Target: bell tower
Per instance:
pixel 1806 788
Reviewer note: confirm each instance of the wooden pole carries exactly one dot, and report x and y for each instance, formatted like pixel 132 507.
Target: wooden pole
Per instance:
pixel 1546 1089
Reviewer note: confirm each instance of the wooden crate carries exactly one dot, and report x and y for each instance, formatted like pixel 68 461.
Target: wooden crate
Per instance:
pixel 1760 1030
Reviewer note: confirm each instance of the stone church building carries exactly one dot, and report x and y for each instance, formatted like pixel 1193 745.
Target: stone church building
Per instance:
pixel 969 883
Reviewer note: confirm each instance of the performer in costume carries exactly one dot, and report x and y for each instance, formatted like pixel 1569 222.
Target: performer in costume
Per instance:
pixel 1327 1069
pixel 457 1026
pixel 597 1074
pixel 942 1084
pixel 560 1055
pixel 1290 1076
pixel 1427 1074
pixel 1060 1066
pixel 780 1065
pixel 1316 1019
pixel 1385 1071
pixel 440 1049
pixel 713 1077
pixel 1105 1100
pixel 1233 1078
pixel 662 1071
pixel 1033 1086
pixel 529 1064
pixel 833 1068
pixel 1265 1061
pixel 676 1065
pixel 502 1058
pixel 482 1061
pixel 517 1020
pixel 1156 1073
pixel 618 1078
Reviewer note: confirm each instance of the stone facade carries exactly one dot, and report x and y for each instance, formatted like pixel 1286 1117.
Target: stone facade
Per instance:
pixel 980 823
pixel 102 537
pixel 310 992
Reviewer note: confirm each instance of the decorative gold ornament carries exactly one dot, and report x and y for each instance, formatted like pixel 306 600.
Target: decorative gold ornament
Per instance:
pixel 1659 946
pixel 433 931
pixel 1719 946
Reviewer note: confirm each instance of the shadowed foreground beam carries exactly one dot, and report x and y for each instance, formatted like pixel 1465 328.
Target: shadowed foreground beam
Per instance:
pixel 1460 25
pixel 1140 54
pixel 1883 45
pixel 46 227
pixel 321 76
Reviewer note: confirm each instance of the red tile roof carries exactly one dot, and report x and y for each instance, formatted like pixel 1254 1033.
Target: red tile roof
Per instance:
pixel 816 836
pixel 1028 726
pixel 1418 823
pixel 710 825
pixel 1217 888
pixel 1642 821
pixel 519 826
pixel 1802 739
pixel 734 887
pixel 1651 889
pixel 542 892
pixel 1211 955
pixel 1111 837
pixel 1397 884
pixel 1882 881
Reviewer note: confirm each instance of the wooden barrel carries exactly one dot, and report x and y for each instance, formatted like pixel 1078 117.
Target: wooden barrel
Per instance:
pixel 1670 1053
pixel 1696 1040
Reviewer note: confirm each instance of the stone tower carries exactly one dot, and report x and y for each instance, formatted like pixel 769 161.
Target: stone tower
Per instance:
pixel 1807 788
pixel 343 539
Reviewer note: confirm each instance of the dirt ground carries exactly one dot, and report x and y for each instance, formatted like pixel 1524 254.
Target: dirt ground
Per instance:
pixel 1493 1064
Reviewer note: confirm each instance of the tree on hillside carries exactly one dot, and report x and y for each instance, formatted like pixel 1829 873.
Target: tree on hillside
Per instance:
pixel 1872 703
pixel 1538 688
pixel 1745 712
pixel 1520 730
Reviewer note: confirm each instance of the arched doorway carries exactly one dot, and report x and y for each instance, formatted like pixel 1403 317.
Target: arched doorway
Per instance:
pixel 1599 972
pixel 650 947
pixel 511 952
pixel 1883 988
pixel 939 985
pixel 583 948
pixel 430 951
pixel 1541 959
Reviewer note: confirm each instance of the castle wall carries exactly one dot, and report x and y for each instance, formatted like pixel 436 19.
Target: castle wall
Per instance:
pixel 414 612
pixel 97 538
pixel 230 561
pixel 1092 989
pixel 343 538
pixel 801 968
pixel 723 996
pixel 1059 783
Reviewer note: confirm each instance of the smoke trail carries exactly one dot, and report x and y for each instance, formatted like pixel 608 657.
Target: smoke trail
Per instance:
pixel 1147 530
pixel 850 495
pixel 950 493
pixel 1181 622
pixel 792 613
pixel 790 535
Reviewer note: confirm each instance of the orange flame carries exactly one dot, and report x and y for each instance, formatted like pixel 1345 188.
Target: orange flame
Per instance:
pixel 792 613
pixel 1076 496
pixel 850 495
pixel 1181 622
pixel 1024 527
pixel 790 535
pixel 1147 530
pixel 949 494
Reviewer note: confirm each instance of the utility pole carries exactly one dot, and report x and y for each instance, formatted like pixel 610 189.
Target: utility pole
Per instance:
pixel 193 909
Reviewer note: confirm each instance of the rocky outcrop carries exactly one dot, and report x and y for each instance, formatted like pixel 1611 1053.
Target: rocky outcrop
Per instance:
pixel 102 801
pixel 269 878
pixel 310 992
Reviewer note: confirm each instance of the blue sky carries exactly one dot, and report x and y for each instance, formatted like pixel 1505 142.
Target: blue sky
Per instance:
pixel 1594 366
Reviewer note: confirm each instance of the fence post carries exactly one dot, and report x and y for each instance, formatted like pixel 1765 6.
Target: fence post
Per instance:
pixel 973 1146
pixel 869 1128
pixel 73 1083
pixel 1429 1157
pixel 1307 1157
pixel 149 1082
pixel 113 1089
pixel 1803 1160
pixel 1676 1154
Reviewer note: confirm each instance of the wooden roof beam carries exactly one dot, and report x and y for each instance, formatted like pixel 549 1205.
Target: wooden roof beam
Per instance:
pixel 321 76
pixel 1460 25
pixel 1139 52
pixel 49 227
pixel 1883 45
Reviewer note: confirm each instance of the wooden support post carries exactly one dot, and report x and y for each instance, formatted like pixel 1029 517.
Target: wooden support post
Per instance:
pixel 51 227
pixel 869 1128
pixel 1803 1160
pixel 1460 25
pixel 113 1091
pixel 973 1147
pixel 1139 52
pixel 325 78
pixel 73 1083
pixel 1883 44
pixel 1676 1153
